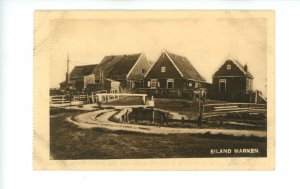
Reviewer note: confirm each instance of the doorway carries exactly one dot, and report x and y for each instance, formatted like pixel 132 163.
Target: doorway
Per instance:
pixel 222 85
pixel 170 83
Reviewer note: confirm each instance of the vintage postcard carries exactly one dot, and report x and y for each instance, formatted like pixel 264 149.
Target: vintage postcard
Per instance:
pixel 154 90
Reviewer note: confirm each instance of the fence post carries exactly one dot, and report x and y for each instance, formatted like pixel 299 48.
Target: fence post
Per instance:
pixel 201 113
pixel 153 116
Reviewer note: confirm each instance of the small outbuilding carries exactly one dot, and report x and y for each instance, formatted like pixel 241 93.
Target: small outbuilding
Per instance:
pixel 232 82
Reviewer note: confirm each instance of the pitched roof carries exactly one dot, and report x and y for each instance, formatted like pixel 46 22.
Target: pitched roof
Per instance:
pixel 117 66
pixel 80 71
pixel 240 66
pixel 185 67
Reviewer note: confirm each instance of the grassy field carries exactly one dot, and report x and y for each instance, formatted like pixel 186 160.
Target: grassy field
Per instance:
pixel 126 101
pixel 67 141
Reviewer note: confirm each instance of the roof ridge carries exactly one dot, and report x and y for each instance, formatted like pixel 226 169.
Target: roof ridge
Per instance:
pixel 175 54
pixel 238 64
pixel 186 61
pixel 173 62
pixel 86 65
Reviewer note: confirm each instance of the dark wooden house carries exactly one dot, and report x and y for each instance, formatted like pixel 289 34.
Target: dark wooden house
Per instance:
pixel 232 82
pixel 171 71
pixel 175 73
pixel 129 70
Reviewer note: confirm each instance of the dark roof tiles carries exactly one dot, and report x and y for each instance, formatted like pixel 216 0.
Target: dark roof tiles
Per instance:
pixel 238 71
pixel 80 71
pixel 117 66
pixel 185 67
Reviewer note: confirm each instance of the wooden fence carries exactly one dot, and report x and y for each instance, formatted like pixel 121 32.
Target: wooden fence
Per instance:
pixel 60 100
pixel 69 99
pixel 168 93
pixel 225 108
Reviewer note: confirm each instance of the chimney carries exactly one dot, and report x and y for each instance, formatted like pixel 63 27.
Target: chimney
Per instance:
pixel 246 67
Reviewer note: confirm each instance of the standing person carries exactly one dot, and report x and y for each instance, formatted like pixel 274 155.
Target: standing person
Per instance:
pixel 199 120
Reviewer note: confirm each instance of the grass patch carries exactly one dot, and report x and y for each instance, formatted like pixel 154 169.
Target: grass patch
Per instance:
pixel 61 111
pixel 125 101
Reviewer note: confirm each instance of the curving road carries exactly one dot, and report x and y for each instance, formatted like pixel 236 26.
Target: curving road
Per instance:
pixel 100 118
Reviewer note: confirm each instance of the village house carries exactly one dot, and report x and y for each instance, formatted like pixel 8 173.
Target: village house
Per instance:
pixel 129 70
pixel 232 82
pixel 79 78
pixel 173 74
pixel 113 74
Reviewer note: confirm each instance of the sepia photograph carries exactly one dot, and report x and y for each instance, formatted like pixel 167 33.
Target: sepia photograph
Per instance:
pixel 154 90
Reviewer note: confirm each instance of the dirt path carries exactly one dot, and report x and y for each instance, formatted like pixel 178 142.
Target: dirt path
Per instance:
pixel 100 119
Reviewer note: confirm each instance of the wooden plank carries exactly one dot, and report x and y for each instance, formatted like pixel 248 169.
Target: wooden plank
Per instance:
pixel 226 107
pixel 226 110
pixel 223 113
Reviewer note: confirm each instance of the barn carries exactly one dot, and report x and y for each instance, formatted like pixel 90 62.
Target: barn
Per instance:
pixel 79 78
pixel 172 73
pixel 232 82
pixel 129 70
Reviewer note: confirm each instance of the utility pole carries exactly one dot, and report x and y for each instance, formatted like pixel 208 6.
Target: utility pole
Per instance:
pixel 67 74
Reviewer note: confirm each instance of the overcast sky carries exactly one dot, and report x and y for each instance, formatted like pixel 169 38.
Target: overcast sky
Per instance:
pixel 207 43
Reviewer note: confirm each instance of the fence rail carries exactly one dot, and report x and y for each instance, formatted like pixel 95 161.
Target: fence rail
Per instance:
pixel 68 99
pixel 60 100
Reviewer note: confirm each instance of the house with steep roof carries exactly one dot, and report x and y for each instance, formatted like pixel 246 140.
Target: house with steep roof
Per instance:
pixel 173 75
pixel 125 70
pixel 172 71
pixel 129 70
pixel 232 82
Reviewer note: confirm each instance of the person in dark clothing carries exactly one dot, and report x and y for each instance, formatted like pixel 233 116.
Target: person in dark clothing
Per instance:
pixel 199 120
pixel 182 120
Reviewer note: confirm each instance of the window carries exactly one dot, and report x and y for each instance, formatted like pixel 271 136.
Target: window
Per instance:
pixel 228 67
pixel 170 83
pixel 222 85
pixel 163 69
pixel 143 71
pixel 148 84
pixel 153 83
pixel 190 84
pixel 249 84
